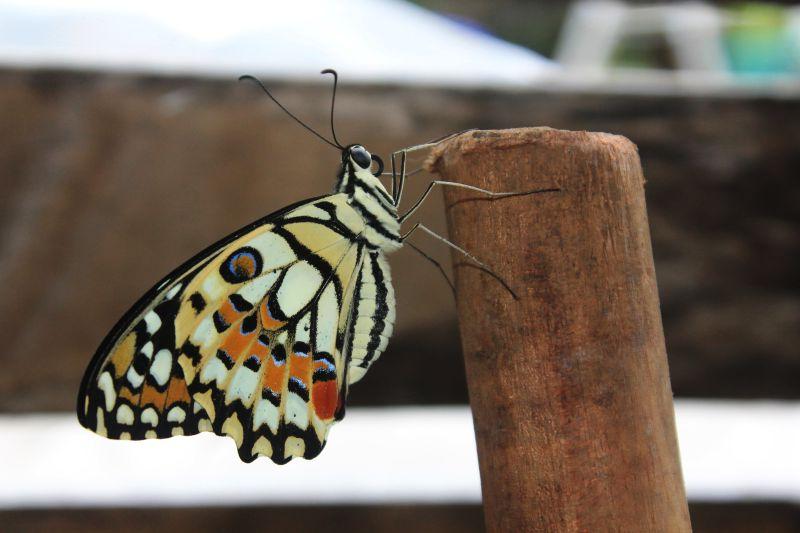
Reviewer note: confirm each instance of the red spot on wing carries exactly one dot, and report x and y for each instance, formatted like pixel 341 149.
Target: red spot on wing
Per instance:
pixel 325 398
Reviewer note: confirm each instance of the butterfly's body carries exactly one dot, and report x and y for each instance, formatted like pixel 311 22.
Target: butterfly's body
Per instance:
pixel 373 203
pixel 259 336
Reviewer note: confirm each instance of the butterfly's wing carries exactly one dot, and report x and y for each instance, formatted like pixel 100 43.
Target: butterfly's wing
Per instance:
pixel 247 339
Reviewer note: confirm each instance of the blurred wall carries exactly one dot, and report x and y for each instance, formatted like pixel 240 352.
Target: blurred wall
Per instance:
pixel 110 180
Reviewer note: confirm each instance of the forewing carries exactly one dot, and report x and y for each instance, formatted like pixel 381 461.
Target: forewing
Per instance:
pixel 244 340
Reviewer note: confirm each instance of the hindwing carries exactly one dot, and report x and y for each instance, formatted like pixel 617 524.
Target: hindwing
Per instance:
pixel 248 339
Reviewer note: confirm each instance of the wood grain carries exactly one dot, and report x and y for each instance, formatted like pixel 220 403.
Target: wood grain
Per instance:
pixel 569 385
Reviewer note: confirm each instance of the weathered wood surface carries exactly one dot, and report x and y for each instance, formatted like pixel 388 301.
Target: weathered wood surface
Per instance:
pixel 569 384
pixel 109 180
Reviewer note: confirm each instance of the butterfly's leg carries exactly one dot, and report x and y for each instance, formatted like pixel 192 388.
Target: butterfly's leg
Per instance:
pixel 394 180
pixel 399 177
pixel 437 264
pixel 480 265
pixel 423 146
pixel 435 235
pixel 397 192
pixel 491 194
pixel 434 142
pixel 409 173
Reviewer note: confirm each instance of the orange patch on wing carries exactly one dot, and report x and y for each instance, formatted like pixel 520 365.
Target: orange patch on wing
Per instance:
pixel 236 343
pixel 127 394
pixel 274 375
pixel 300 367
pixel 177 391
pixel 151 396
pixel 260 350
pixel 122 355
pixel 267 321
pixel 325 398
pixel 229 313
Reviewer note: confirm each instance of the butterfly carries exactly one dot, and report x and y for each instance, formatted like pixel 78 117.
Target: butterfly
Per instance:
pixel 259 336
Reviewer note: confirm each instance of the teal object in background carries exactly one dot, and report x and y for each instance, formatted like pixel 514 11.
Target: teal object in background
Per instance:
pixel 758 40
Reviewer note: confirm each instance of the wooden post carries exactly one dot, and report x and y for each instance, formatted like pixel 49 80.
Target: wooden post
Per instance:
pixel 569 385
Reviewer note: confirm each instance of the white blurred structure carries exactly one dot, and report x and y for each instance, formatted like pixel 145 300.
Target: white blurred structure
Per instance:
pixel 594 28
pixel 366 40
pixel 729 450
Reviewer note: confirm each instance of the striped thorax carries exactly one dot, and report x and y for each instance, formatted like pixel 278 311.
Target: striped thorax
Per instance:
pixel 367 195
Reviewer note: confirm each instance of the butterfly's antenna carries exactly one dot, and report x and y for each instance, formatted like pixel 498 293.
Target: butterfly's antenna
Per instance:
pixel 306 126
pixel 333 102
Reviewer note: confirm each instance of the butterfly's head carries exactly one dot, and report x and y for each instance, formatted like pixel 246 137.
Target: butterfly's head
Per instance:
pixel 359 167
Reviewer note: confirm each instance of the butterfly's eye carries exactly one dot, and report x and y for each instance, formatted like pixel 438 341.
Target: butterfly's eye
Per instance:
pixel 242 265
pixel 361 157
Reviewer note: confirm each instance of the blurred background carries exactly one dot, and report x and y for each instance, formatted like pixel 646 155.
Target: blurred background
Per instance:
pixel 127 145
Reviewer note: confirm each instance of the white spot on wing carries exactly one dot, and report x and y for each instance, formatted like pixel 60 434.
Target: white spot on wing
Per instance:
pixel 243 385
pixel 152 321
pixel 327 320
pixel 173 291
pixel 214 370
pixel 162 366
pixel 205 332
pixel 296 411
pixel 101 423
pixel 124 415
pixel 149 416
pixel 213 286
pixel 106 384
pixel 176 414
pixel 303 329
pixel 299 285
pixel 147 350
pixel 274 249
pixel 254 291
pixel 134 378
pixel 266 412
